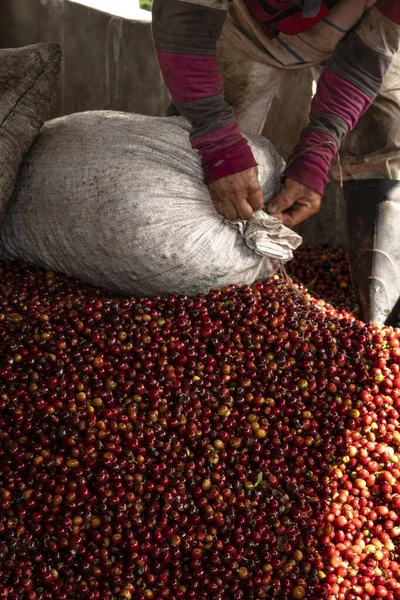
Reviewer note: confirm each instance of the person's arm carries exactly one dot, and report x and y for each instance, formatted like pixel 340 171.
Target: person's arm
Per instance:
pixel 185 36
pixel 348 85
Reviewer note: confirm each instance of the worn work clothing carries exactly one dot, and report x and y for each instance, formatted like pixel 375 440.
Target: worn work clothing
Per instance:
pixel 355 42
pixel 252 76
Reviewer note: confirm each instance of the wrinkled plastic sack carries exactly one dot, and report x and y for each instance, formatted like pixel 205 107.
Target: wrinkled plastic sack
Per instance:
pixel 118 201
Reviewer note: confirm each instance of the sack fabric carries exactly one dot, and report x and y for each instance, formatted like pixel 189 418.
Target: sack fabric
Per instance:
pixel 28 84
pixel 118 201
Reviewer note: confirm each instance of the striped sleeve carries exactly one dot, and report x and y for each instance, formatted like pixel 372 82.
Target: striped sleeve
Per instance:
pixel 348 85
pixel 185 37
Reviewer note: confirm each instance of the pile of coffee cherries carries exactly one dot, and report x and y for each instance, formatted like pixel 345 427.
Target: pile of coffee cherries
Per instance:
pixel 242 444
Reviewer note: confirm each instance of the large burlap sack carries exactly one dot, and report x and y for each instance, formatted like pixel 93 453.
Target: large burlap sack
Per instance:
pixel 118 200
pixel 28 85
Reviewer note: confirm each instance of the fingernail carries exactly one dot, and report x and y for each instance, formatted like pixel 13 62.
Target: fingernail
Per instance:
pixel 272 207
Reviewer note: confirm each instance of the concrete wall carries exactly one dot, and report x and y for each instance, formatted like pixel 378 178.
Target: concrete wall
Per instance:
pixel 109 63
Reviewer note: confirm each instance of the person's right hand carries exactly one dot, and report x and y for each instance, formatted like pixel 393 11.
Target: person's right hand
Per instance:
pixel 237 196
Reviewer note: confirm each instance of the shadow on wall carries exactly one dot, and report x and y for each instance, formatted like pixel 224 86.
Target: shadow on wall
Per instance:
pixel 109 61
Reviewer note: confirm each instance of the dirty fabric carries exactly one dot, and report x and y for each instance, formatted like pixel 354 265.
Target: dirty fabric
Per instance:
pixel 28 86
pixel 118 201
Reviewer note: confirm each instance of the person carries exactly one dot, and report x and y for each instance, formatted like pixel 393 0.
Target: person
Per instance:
pixel 223 61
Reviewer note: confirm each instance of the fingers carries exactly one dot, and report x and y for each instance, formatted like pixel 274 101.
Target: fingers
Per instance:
pixel 217 205
pixel 255 199
pixel 230 210
pixel 298 213
pixel 294 217
pixel 236 208
pixel 294 204
pixel 233 208
pixel 280 203
pixel 243 208
pixel 237 196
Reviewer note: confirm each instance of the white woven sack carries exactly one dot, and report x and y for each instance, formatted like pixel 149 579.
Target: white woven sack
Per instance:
pixel 118 200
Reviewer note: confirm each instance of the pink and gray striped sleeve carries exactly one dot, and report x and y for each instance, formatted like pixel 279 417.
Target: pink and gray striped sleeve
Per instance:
pixel 348 85
pixel 185 36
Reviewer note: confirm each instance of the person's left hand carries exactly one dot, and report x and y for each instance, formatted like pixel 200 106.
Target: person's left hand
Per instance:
pixel 294 204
